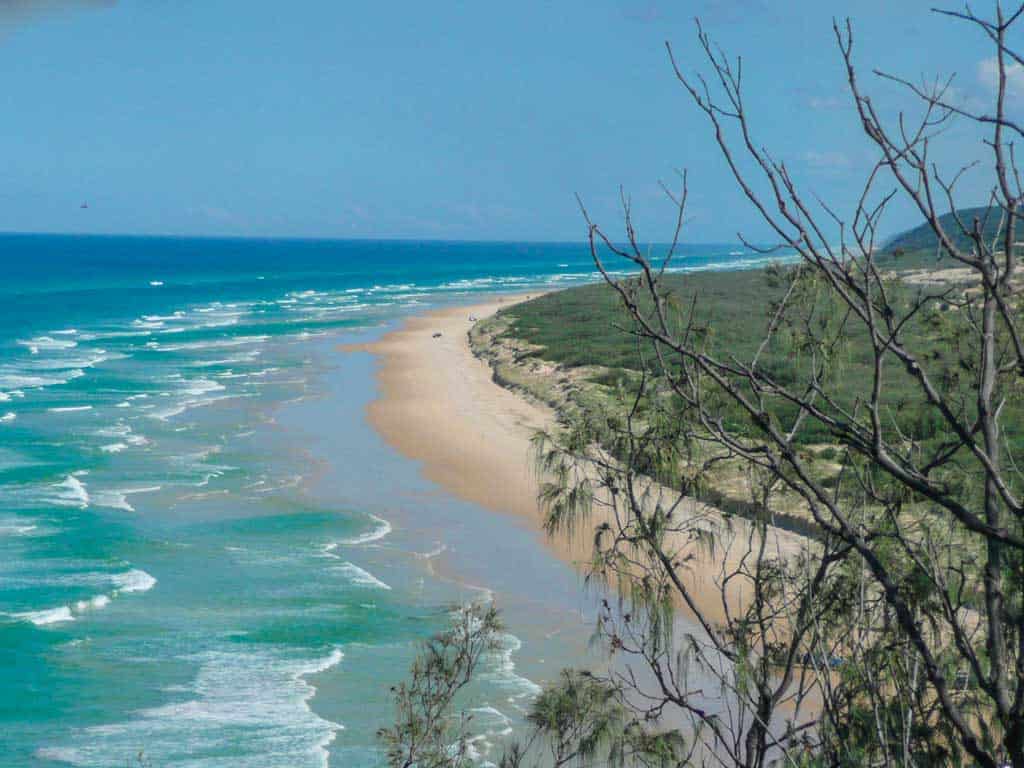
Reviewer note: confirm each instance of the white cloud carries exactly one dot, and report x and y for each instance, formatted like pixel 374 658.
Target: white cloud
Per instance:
pixel 988 75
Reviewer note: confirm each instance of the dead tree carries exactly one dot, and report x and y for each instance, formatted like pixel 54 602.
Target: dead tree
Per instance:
pixel 897 636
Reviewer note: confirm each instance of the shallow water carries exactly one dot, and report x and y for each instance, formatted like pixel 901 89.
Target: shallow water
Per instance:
pixel 206 555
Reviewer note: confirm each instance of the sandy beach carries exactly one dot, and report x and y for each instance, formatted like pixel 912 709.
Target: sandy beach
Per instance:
pixel 438 404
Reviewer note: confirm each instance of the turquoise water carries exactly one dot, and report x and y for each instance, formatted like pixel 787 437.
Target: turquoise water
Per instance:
pixel 205 553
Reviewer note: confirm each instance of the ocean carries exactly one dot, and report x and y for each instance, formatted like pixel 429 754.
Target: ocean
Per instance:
pixel 207 557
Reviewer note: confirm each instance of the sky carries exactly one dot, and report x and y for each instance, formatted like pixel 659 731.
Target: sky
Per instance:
pixel 471 120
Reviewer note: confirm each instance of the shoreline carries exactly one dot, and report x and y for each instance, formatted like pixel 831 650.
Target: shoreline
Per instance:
pixel 438 404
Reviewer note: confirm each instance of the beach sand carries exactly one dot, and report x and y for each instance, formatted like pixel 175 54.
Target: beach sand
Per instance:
pixel 439 405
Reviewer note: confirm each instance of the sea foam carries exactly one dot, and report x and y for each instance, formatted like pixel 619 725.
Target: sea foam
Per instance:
pixel 360 577
pixel 118 498
pixel 381 529
pixel 135 580
pixel 47 616
pixel 256 701
pixel 71 493
pixel 47 343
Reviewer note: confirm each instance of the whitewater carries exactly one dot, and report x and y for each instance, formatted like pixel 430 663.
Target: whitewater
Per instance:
pixel 206 555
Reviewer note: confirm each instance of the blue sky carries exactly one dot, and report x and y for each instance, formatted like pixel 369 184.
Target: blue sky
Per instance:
pixel 456 120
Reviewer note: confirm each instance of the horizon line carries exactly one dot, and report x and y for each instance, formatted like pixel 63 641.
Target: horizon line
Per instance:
pixel 335 239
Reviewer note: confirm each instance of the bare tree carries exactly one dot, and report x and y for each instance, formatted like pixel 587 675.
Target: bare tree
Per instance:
pixel 919 552
pixel 893 634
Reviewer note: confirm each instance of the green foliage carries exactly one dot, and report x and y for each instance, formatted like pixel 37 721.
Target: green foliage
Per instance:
pixel 653 422
pixel 582 720
pixel 428 732
pixel 588 326
pixel 580 717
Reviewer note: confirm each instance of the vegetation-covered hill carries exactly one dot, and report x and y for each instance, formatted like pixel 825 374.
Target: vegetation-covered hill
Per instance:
pixel 922 238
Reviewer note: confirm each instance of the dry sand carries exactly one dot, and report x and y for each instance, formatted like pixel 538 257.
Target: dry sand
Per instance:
pixel 439 405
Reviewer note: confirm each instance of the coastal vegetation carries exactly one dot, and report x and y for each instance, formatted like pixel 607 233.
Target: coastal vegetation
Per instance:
pixel 865 398
pixel 573 350
pixel 922 240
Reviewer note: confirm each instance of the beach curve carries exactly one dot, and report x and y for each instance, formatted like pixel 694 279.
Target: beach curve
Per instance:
pixel 438 404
